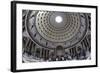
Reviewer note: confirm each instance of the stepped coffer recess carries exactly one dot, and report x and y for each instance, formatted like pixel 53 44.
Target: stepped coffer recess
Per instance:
pixel 55 36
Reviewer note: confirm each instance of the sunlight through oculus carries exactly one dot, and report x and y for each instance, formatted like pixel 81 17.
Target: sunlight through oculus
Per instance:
pixel 58 19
